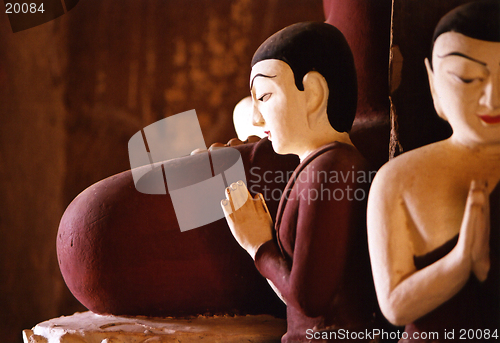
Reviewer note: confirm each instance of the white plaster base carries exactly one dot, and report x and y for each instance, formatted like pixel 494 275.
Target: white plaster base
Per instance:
pixel 88 327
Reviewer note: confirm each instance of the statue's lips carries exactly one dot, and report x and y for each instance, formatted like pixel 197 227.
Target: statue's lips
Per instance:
pixel 268 133
pixel 490 119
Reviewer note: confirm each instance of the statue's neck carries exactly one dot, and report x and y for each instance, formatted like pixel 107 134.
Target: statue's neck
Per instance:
pixel 319 141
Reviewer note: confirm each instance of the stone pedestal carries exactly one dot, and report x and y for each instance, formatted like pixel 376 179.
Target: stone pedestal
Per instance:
pixel 88 327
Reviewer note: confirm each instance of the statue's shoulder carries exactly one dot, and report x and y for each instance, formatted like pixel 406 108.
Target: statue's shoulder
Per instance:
pixel 339 155
pixel 419 159
pixel 417 164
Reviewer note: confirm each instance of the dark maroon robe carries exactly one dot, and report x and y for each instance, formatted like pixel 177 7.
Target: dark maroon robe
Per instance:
pixel 473 314
pixel 319 259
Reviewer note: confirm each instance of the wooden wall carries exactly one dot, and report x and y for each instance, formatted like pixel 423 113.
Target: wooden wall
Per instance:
pixel 74 90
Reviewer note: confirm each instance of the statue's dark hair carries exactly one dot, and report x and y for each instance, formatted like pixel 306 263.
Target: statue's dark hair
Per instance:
pixel 321 47
pixel 477 19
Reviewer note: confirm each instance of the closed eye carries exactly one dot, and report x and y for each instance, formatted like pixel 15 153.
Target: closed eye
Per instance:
pixel 264 97
pixel 467 80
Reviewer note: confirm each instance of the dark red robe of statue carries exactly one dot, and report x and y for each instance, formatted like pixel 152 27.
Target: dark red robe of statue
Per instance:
pixel 319 260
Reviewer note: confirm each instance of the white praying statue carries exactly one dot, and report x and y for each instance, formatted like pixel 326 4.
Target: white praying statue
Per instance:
pixel 433 240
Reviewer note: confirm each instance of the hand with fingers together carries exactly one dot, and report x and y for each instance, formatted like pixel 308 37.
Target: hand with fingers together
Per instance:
pixel 477 216
pixel 248 218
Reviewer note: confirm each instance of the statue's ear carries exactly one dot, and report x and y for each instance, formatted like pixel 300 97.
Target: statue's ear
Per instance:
pixel 435 97
pixel 316 94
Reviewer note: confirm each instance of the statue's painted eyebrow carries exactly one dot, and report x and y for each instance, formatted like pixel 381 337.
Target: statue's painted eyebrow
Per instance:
pixel 261 75
pixel 456 53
